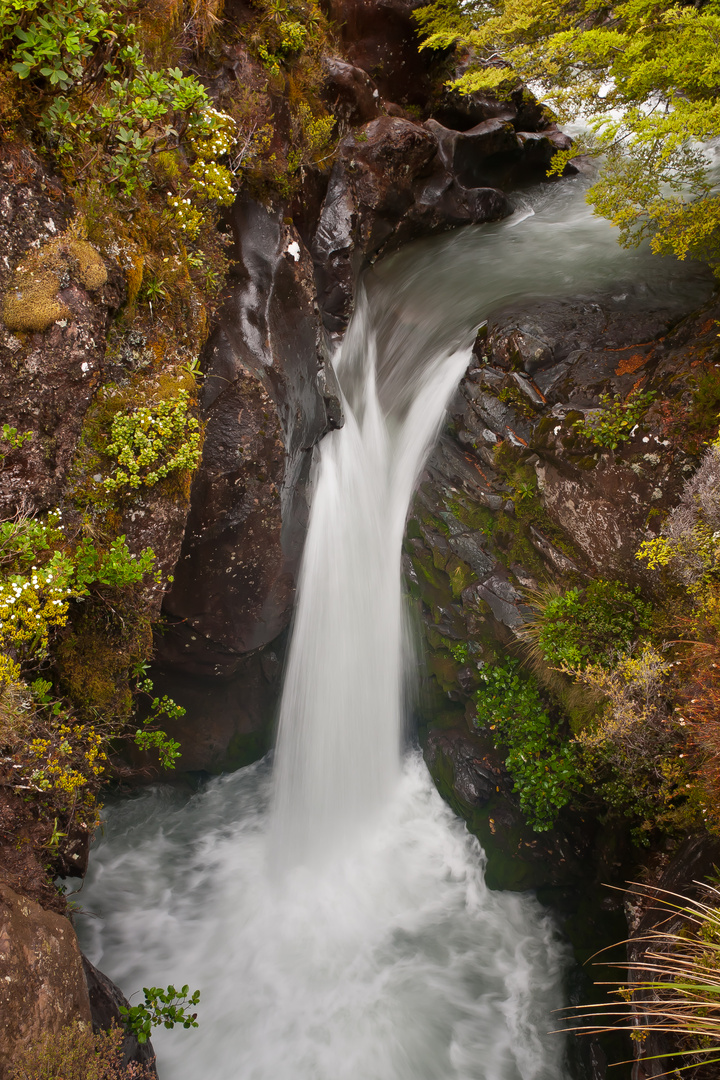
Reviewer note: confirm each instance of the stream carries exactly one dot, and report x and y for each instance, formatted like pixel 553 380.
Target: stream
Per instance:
pixel 327 903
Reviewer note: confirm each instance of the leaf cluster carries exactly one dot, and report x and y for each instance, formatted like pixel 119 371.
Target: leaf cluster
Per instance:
pixel 541 763
pixel 644 74
pixel 617 419
pixel 164 1008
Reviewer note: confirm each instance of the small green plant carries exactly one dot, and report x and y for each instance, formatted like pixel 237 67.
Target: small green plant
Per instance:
pixel 590 624
pixel 541 764
pixel 12 439
pixel 161 1007
pixel 151 442
pixel 102 103
pixel 614 424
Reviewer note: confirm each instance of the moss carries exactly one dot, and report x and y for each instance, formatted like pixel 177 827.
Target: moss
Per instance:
pixel 444 668
pixel 586 463
pixel 424 565
pixel 94 658
pixel 245 749
pixel 473 515
pixel 91 269
pixel 460 575
pixel 31 303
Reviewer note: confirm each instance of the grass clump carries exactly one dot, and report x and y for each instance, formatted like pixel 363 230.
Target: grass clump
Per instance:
pixel 580 625
pixel 675 988
pixel 77 1053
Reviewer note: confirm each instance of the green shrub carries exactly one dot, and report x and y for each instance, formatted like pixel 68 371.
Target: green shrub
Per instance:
pixel 151 442
pixel 101 101
pixel 161 1007
pixel 614 424
pixel 590 624
pixel 541 764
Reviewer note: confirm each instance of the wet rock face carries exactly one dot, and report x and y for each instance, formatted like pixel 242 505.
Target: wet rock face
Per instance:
pixel 381 39
pixel 513 495
pixel 350 92
pixel 268 396
pixel 47 379
pixel 388 185
pixel 42 985
pixel 106 999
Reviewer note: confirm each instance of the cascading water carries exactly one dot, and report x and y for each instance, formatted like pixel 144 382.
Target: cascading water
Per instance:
pixel 334 915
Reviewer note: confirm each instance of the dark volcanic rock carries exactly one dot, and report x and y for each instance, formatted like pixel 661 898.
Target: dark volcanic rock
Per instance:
pixel 47 379
pixel 268 397
pixel 105 1001
pixel 388 185
pixel 380 37
pixel 350 92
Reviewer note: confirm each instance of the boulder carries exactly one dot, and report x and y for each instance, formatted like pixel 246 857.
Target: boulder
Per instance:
pixel 350 92
pixel 389 185
pixel 42 985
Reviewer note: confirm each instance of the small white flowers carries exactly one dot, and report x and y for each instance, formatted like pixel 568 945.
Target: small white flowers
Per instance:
pixel 293 249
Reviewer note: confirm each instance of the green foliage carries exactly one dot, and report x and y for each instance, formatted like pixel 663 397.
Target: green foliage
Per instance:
pixel 634 753
pixel 615 423
pixel 42 571
pixel 646 77
pixel 151 442
pixel 13 440
pixel 100 102
pixel 541 764
pixel 591 624
pixel 161 1007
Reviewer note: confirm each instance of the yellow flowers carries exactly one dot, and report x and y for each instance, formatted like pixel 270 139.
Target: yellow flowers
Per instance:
pixel 68 760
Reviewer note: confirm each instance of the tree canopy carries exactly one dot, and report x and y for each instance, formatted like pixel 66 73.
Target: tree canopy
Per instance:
pixel 646 76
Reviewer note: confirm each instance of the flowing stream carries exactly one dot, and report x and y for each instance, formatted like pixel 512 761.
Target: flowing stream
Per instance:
pixel 332 910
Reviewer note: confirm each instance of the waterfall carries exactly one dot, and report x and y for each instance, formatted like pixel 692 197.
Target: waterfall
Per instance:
pixel 338 754
pixel 334 914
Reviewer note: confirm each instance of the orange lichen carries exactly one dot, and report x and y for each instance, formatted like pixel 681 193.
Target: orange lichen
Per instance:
pixel 630 364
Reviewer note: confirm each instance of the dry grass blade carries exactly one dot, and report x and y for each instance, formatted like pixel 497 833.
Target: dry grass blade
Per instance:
pixel 675 988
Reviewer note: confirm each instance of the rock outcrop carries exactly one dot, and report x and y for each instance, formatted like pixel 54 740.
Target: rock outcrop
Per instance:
pixel 512 496
pixel 268 395
pixel 42 984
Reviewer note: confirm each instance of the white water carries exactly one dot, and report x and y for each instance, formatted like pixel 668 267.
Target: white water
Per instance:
pixel 346 932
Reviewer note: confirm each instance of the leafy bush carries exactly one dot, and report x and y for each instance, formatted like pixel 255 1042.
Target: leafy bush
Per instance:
pixel 539 761
pixel 69 48
pixel 151 442
pixel 161 1007
pixel 614 424
pixel 42 572
pixel 594 623
pixel 635 754
pixel 689 544
pixel 62 754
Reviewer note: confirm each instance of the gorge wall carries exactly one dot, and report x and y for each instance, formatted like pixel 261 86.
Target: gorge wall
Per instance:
pixel 511 497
